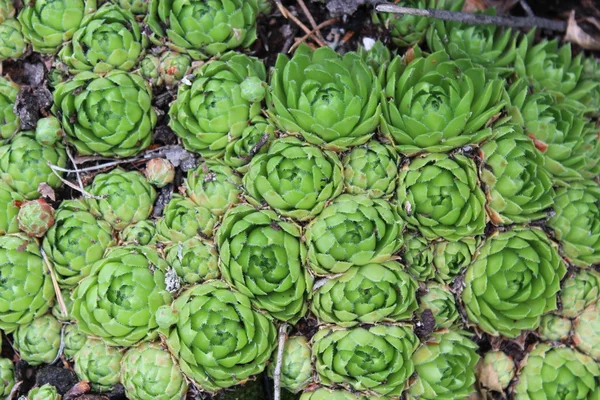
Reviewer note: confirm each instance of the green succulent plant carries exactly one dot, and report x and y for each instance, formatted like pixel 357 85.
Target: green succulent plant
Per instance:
pixel 183 219
pixel 110 115
pixel 9 201
pixel 8 97
pixel 254 140
pixel 118 300
pixel 57 310
pixel 440 301
pixel 354 230
pixel 330 99
pixel 591 73
pixel 7 376
pixel 74 340
pixel 149 372
pixel 99 364
pixel 296 364
pixel 371 169
pixel 194 260
pixel 7 10
pixel 418 255
pixel 377 56
pixel 160 172
pixel 451 258
pixel 513 280
pixel 12 42
pixel 141 233
pixel 44 392
pixel 295 178
pixel 38 342
pixel 213 186
pixel 173 67
pixel 496 370
pixel 48 130
pixel 586 331
pixel 217 337
pixel 331 394
pixel 368 294
pixel 554 328
pixel 149 69
pixel 579 291
pixel 137 7
pixel 35 217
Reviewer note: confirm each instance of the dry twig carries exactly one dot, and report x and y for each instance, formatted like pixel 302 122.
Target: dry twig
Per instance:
pixel 305 37
pixel 59 298
pixel 279 362
pixel 301 25
pixel 87 194
pixel 310 18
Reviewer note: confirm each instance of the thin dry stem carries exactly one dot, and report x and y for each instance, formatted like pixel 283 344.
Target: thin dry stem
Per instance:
pixel 279 362
pixel 55 168
pixel 303 27
pixel 310 18
pixel 74 167
pixel 59 298
pixel 305 37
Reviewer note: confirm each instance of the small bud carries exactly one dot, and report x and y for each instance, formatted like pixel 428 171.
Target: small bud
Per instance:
pixel 48 131
pixel 160 172
pixel 35 217
pixel 253 89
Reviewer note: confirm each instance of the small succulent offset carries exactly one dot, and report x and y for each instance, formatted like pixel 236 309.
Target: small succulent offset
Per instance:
pixel 173 67
pixel 331 394
pixel 7 376
pixel 554 328
pixel 98 364
pixel 296 365
pixel 183 219
pixel 586 331
pixel 417 254
pixel 213 186
pixel 579 291
pixel 35 217
pixel 44 392
pixel 141 233
pixel 9 209
pixel 8 97
pixel 12 42
pixel 38 342
pixel 48 131
pixel 440 300
pixel 194 260
pixel 496 370
pixel 74 340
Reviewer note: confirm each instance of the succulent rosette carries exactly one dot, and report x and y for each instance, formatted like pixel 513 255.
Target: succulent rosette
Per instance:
pixel 554 328
pixel 44 392
pixel 149 69
pixel 122 197
pixel 160 172
pixel 48 24
pixel 7 376
pixel 295 178
pixel 440 196
pixel 35 217
pixel 217 337
pixel 110 115
pixel 556 372
pixel 330 99
pixel 513 280
pixel 99 364
pixel 118 300
pixel 8 97
pixel 576 223
pixel 255 139
pixel 591 73
pixel 417 254
pixel 173 67
pixel 354 230
pixel 442 304
pixel 376 359
pixel 183 219
pixel 225 95
pixel 213 186
pixel 12 42
pixel 586 331
pixel 75 241
pixel 48 130
pixel 451 258
pixel 445 367
pixel 24 164
pixel 74 340
pixel 108 39
pixel 141 233
pixel 496 370
pixel 377 56
pixel 149 372
pixel 202 29
pixel 579 291
pixel 296 364
pixel 194 260
pixel 263 257
pixel 9 209
pixel 7 10
pixel 368 294
pixel 331 394
pixel 57 310
pixel 137 7
pixel 371 169
pixel 434 104
pixel 26 290
pixel 38 342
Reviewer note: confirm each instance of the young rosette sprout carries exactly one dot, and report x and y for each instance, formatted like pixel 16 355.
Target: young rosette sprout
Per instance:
pixel 173 67
pixel 24 164
pixel 38 342
pixel 122 197
pixel 368 294
pixel 330 99
pixel 263 257
pixel 445 367
pixel 450 258
pixel 586 331
pixel 354 230
pixel 149 372
pixel 44 392
pixel 99 364
pixel 108 39
pixel 440 301
pixel 213 186
pixel 376 359
pixel 74 340
pixel 9 209
pixel 48 131
pixel 440 196
pixel 142 233
pixel 579 291
pixel 137 7
pixel 160 172
pixel 194 260
pixel 35 217
pixel 57 310
pixel 417 254
pixel 76 240
pixel 7 10
pixel 576 223
pixel 110 115
pixel 556 372
pixel 296 364
pixel 26 290
pixel 7 376
pixel 118 300
pixel 203 28
pixel 496 370
pixel 219 104
pixel 330 394
pixel 295 178
pixel 513 280
pixel 255 139
pixel 217 337
pixel 8 97
pixel 435 104
pixel 48 24
pixel 149 70
pixel 184 219
pixel 554 328
pixel 12 42
pixel 371 169
pixel 377 56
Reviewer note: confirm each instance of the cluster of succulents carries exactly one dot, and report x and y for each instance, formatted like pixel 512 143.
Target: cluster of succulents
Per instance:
pixel 410 207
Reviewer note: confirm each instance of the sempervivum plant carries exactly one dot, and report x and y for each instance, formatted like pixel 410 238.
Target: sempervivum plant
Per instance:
pixel 98 364
pixel 295 178
pixel 203 28
pixel 255 139
pixel 141 233
pixel 519 189
pixel 375 358
pixel 57 309
pixel 47 24
pixel 160 172
pixel 26 290
pixel 12 42
pixel 213 186
pixel 8 96
pixel 331 394
pixel 44 392
pixel 417 254
pixel 451 258
pixel 111 115
pixel 440 196
pixel 7 10
pixel 149 372
pixel 579 291
pixel 296 365
pixel 38 341
pixel 435 104
pixel 118 300
pixel 440 300
pixel 9 209
pixel 173 67
pixel 445 367
pixel 330 99
pixel 35 217
pixel 554 328
pixel 183 219
pixel 576 223
pixel 122 197
pixel 225 95
pixel 353 230
pixel 76 240
pixel 7 376
pixel 556 372
pixel 586 331
pixel 74 340
pixel 377 56
pixel 48 130
pixel 218 338
pixel 24 164
pixel 263 257
pixel 193 260
pixel 148 68
pixel 496 370
pixel 367 294
pixel 513 280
